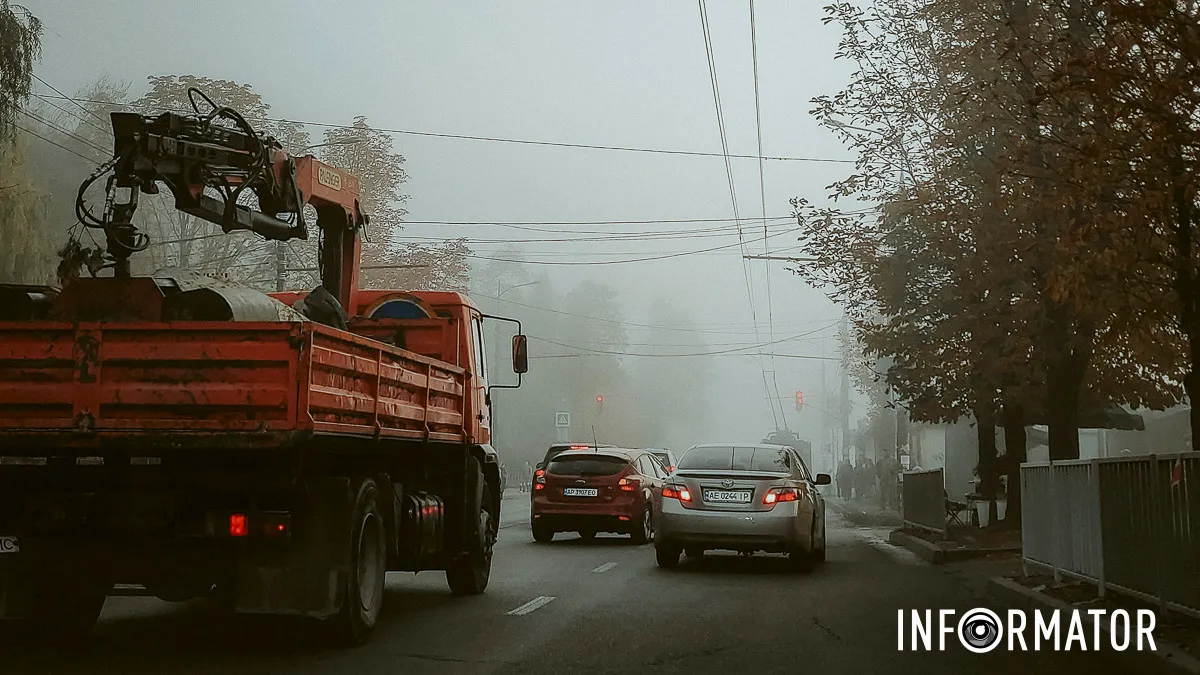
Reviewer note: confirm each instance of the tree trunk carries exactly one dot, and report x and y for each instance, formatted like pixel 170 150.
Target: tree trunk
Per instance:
pixel 1186 289
pixel 1064 378
pixel 1014 451
pixel 985 428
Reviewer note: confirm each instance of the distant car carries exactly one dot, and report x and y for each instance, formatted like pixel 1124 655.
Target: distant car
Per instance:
pixel 597 490
pixel 557 448
pixel 744 498
pixel 668 458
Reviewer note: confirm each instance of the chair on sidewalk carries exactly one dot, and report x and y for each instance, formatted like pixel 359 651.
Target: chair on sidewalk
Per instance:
pixel 954 510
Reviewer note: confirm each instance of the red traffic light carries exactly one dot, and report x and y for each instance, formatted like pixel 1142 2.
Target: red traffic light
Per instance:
pixel 599 399
pixel 799 399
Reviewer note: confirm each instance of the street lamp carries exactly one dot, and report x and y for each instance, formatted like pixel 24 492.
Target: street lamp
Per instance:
pixel 499 294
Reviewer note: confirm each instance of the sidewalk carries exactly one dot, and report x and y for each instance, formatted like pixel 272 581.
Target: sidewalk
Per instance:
pixel 864 512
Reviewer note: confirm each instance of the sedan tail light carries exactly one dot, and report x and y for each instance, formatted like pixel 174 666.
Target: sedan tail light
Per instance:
pixel 679 492
pixel 781 494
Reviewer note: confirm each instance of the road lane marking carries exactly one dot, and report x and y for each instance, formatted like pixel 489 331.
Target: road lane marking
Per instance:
pixel 605 567
pixel 533 605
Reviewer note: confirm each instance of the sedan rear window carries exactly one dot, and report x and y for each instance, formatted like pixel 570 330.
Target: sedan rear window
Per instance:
pixel 735 459
pixel 586 465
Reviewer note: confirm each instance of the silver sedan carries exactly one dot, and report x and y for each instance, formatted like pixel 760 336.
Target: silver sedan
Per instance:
pixel 744 498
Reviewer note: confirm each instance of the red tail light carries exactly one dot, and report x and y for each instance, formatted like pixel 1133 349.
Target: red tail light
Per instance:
pixel 539 480
pixel 781 494
pixel 628 484
pixel 580 447
pixel 539 473
pixel 670 469
pixel 237 525
pixel 676 492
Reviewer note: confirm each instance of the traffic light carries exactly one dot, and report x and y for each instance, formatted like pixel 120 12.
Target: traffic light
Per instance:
pixel 799 400
pixel 599 399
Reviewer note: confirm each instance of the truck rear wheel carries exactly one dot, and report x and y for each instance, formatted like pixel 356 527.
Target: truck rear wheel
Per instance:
pixel 67 604
pixel 363 598
pixel 469 575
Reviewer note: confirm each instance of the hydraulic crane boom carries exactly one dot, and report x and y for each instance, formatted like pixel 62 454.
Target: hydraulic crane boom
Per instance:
pixel 197 158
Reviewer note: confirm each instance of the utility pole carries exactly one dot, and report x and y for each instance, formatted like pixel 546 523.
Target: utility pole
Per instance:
pixel 845 402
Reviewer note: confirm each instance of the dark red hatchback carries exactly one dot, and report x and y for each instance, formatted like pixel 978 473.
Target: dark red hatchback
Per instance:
pixel 597 490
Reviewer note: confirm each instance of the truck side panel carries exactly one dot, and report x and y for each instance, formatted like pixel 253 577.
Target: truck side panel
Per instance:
pixel 363 387
pixel 222 379
pixel 146 377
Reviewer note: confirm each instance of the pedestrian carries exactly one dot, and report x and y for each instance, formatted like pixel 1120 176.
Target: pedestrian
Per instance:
pixel 844 474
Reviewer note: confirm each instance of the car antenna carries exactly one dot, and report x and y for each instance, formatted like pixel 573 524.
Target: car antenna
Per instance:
pixel 595 443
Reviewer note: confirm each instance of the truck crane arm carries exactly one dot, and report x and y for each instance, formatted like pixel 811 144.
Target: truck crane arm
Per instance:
pixel 208 168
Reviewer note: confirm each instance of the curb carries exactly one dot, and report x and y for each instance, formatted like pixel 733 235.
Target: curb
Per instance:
pixel 937 555
pixel 929 552
pixel 1168 660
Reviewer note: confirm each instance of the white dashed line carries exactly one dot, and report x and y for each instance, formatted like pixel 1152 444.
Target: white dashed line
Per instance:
pixel 533 605
pixel 605 567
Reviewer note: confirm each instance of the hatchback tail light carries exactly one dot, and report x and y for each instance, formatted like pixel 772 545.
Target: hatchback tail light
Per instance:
pixel 628 484
pixel 781 494
pixel 677 492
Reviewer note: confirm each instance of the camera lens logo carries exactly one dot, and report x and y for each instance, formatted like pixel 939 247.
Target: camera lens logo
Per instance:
pixel 979 630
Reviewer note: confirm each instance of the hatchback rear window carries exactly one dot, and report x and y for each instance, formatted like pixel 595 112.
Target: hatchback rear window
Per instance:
pixel 586 465
pixel 735 459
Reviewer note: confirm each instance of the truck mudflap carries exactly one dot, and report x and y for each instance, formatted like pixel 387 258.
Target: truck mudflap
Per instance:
pixel 309 577
pixel 16 593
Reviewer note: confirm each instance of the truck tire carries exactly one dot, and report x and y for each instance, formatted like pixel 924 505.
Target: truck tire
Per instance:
pixel 363 598
pixel 66 605
pixel 469 574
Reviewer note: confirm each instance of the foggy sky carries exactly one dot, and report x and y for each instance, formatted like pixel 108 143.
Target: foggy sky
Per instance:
pixel 629 73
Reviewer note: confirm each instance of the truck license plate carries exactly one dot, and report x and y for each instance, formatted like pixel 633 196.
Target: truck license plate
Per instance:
pixel 9 545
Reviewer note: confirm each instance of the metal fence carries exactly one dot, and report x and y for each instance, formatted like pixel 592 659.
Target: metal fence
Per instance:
pixel 923 500
pixel 1127 524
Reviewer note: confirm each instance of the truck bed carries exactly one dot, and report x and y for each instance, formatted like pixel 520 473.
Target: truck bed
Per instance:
pixel 266 383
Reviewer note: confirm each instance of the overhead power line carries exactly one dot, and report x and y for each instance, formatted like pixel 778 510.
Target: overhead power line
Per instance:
pixel 633 324
pixel 615 262
pixel 704 353
pixel 762 196
pixel 499 139
pixel 55 144
pixel 716 92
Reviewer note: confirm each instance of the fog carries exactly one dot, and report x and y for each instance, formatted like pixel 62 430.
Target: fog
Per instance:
pixel 628 73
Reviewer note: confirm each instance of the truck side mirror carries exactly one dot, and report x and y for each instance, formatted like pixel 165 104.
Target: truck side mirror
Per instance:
pixel 520 354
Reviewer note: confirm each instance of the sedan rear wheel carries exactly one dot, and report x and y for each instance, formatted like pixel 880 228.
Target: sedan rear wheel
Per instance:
pixel 643 532
pixel 542 534
pixel 666 555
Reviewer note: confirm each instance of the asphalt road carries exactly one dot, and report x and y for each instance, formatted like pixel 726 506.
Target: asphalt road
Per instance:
pixel 575 607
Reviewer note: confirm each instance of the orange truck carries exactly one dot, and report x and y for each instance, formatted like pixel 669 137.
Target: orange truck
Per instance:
pixel 279 452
